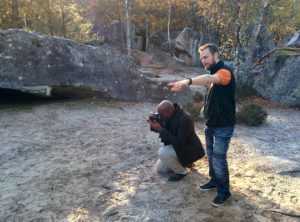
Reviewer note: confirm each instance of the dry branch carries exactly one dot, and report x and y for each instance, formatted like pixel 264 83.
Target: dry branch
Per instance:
pixel 259 61
pixel 288 213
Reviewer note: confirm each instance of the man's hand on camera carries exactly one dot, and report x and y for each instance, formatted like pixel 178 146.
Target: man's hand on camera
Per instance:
pixel 154 125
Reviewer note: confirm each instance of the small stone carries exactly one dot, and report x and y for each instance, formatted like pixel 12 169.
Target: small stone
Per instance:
pixel 112 213
pixel 105 187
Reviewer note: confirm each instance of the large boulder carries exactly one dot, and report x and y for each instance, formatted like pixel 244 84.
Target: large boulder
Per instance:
pixel 186 46
pixel 48 65
pixel 278 76
pixel 279 80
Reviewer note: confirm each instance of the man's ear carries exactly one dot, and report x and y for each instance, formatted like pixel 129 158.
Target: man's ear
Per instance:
pixel 216 56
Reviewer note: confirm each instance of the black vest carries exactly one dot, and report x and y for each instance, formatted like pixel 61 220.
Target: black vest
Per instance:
pixel 219 107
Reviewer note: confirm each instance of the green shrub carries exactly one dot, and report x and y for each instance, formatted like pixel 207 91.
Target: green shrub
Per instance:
pixel 194 110
pixel 244 92
pixel 252 115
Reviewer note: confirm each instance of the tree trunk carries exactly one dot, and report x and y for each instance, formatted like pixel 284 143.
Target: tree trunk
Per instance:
pixel 128 26
pixel 169 21
pixel 49 17
pixel 15 14
pixel 147 35
pixel 238 45
pixel 63 19
pixel 246 78
pixel 258 24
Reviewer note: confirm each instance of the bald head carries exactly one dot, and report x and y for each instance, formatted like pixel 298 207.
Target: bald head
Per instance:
pixel 166 109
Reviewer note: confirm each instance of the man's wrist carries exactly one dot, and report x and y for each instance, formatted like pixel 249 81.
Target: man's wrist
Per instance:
pixel 189 81
pixel 185 82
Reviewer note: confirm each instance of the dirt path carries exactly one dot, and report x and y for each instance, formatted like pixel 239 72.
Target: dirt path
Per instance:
pixel 93 161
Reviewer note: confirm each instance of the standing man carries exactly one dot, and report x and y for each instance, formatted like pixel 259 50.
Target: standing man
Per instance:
pixel 219 113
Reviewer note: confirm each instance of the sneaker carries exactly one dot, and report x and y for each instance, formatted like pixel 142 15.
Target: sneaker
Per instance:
pixel 218 201
pixel 176 177
pixel 207 187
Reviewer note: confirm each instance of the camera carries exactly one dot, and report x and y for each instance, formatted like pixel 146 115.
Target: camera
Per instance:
pixel 156 117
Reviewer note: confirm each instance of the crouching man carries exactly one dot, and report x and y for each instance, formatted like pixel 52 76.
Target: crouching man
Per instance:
pixel 182 146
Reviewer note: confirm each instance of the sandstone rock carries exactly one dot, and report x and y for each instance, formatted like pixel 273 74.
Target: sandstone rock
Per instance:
pixel 158 38
pixel 138 43
pixel 33 63
pixel 187 43
pixel 168 46
pixel 279 81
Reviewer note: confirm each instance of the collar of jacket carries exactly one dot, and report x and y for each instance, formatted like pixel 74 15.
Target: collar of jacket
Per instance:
pixel 216 67
pixel 176 112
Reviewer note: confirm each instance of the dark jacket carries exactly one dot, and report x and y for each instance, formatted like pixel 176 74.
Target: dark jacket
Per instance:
pixel 180 132
pixel 219 107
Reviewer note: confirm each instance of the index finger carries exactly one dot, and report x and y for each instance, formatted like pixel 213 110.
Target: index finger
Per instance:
pixel 172 84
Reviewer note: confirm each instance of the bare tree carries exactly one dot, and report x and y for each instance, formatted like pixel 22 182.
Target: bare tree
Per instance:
pixel 245 78
pixel 128 26
pixel 15 13
pixel 259 21
pixel 238 44
pixel 147 35
pixel 49 17
pixel 63 17
pixel 260 63
pixel 169 21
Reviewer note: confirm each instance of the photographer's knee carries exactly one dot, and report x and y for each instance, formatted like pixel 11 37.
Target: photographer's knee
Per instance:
pixel 161 167
pixel 163 154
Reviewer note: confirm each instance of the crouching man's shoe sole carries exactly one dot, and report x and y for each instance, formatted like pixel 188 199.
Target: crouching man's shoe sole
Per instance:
pixel 176 177
pixel 219 201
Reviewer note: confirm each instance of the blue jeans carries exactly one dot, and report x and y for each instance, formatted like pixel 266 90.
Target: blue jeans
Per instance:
pixel 217 142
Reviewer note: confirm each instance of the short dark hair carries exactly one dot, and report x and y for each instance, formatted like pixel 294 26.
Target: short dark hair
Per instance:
pixel 213 48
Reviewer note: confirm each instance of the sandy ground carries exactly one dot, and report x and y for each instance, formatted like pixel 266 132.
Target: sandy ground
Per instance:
pixel 93 161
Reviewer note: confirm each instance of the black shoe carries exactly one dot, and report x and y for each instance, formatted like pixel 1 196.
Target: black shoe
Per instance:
pixel 176 177
pixel 218 201
pixel 207 187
